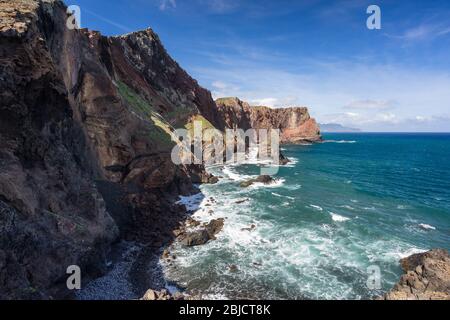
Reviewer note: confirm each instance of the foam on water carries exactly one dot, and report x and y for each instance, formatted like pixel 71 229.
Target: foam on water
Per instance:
pixel 338 218
pixel 340 141
pixel 319 208
pixel 426 226
pixel 310 235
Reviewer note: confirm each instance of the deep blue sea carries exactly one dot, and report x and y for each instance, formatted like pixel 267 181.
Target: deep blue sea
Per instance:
pixel 340 207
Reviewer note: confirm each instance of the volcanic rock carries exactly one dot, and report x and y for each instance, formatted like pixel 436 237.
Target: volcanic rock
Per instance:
pixel 427 277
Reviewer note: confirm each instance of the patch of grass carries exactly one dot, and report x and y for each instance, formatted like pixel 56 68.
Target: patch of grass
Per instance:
pixel 205 123
pixel 134 100
pixel 159 130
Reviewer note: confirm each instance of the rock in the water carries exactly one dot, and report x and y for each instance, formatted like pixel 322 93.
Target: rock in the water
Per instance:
pixel 214 227
pixel 427 277
pixel 196 238
pixel 233 268
pixel 153 295
pixel 261 179
pixel 150 295
pixel 251 228
pixel 202 236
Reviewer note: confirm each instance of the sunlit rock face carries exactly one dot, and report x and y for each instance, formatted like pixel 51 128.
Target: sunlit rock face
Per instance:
pixel 295 124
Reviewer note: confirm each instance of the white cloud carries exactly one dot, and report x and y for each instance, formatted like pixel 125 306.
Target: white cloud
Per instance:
pixel 220 6
pixel 422 32
pixel 365 95
pixel 268 102
pixel 370 105
pixel 167 4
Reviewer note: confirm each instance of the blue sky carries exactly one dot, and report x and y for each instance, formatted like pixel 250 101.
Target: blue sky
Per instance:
pixel 314 53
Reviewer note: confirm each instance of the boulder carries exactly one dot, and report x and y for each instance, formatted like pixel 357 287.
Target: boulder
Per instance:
pixel 202 236
pixel 196 238
pixel 214 227
pixel 261 179
pixel 427 277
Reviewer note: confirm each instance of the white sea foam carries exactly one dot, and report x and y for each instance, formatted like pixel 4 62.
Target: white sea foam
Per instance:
pixel 275 184
pixel 426 226
pixel 347 207
pixel 338 218
pixel 232 175
pixel 292 186
pixel 318 208
pixel 339 141
pixel 409 252
pixel 282 196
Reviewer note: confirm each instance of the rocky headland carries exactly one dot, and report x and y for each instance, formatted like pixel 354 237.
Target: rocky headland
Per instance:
pixel 86 130
pixel 426 277
pixel 295 123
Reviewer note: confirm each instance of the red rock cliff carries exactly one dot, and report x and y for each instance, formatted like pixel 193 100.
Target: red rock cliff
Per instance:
pixel 295 124
pixel 86 126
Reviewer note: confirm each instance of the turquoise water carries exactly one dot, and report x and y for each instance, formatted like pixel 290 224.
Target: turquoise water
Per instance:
pixel 355 201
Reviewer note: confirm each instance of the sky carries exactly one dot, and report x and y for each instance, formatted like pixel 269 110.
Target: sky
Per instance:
pixel 314 53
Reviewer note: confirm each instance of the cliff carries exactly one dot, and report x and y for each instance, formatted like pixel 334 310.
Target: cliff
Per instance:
pixel 427 277
pixel 85 140
pixel 295 124
pixel 86 130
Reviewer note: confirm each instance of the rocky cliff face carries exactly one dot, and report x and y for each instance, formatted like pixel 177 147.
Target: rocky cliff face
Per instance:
pixel 427 277
pixel 51 213
pixel 295 124
pixel 85 140
pixel 86 130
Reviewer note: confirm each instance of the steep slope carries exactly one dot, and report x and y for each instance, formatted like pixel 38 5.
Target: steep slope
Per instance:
pixel 86 131
pixel 76 109
pixel 427 277
pixel 295 124
pixel 51 214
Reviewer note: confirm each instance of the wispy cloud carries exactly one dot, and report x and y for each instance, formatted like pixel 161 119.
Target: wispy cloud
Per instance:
pixel 167 4
pixel 220 6
pixel 108 21
pixel 371 96
pixel 425 31
pixel 370 105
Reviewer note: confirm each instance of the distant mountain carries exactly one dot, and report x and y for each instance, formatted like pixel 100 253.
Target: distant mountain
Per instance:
pixel 336 127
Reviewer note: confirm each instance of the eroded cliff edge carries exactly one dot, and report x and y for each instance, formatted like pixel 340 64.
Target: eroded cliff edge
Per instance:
pixel 426 277
pixel 86 126
pixel 295 123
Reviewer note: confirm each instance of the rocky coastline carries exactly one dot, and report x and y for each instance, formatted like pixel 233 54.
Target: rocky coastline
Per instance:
pixel 86 133
pixel 86 177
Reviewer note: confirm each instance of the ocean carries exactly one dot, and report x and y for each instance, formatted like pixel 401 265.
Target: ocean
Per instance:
pixel 341 209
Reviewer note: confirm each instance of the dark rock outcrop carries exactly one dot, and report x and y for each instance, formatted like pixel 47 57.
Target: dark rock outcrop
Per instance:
pixel 51 213
pixel 427 277
pixel 203 235
pixel 86 132
pixel 261 179
pixel 85 141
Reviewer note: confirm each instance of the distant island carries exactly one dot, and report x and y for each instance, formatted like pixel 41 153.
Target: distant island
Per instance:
pixel 336 127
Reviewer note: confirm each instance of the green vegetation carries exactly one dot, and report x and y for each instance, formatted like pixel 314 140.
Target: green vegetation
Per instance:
pixel 159 130
pixel 205 123
pixel 134 100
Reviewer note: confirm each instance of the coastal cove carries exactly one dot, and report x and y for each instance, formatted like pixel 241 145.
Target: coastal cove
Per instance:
pixel 338 208
pixel 94 204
